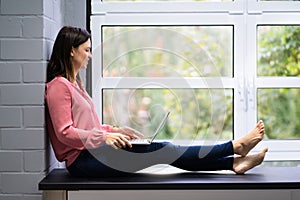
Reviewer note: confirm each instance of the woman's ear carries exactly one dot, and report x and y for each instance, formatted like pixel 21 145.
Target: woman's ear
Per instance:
pixel 72 52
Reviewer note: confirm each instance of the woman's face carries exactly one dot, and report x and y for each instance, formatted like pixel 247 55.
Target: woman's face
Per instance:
pixel 81 55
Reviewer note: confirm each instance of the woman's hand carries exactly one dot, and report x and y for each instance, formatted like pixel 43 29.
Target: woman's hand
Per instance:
pixel 130 132
pixel 117 140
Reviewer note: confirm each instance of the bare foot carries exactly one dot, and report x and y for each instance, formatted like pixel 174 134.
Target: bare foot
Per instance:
pixel 242 164
pixel 243 145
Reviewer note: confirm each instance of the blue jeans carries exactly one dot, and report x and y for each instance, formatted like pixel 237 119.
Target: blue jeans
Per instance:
pixel 107 162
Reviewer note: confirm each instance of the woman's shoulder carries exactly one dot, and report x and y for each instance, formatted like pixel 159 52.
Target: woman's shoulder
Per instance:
pixel 59 82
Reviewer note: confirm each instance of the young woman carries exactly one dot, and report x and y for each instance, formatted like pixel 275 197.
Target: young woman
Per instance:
pixel 91 149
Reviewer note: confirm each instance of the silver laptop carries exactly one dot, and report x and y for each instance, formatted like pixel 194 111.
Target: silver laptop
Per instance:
pixel 144 141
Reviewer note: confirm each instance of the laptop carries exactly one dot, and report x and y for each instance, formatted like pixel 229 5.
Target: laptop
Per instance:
pixel 144 141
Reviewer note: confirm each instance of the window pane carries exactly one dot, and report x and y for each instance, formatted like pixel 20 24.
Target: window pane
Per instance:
pixel 280 110
pixel 195 114
pixel 278 51
pixel 173 51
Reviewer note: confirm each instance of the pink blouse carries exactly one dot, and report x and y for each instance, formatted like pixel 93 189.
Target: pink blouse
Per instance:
pixel 71 120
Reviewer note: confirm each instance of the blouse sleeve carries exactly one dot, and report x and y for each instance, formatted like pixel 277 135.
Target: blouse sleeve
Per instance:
pixel 107 128
pixel 59 102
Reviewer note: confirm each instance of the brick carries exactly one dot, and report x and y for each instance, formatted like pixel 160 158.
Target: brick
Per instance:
pixel 29 139
pixel 72 17
pixel 26 183
pixel 48 48
pixel 22 49
pixel 13 26
pixel 48 26
pixel 34 117
pixel 49 11
pixel 51 30
pixel 58 11
pixel 11 196
pixel 33 27
pixel 34 72
pixel 32 7
pixel 10 72
pixel 34 161
pixel 32 197
pixel 10 117
pixel 20 197
pixel 27 94
pixel 11 161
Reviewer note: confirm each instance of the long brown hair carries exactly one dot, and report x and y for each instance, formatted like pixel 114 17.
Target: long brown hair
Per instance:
pixel 60 63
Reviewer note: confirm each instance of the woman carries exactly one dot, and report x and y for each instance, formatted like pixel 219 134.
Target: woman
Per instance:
pixel 91 149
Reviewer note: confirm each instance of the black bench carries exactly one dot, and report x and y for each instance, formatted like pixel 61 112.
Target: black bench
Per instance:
pixel 268 179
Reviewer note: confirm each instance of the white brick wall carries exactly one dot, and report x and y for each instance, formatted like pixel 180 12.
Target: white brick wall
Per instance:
pixel 35 72
pixel 10 117
pixel 25 7
pixel 22 94
pixel 12 26
pixel 27 31
pixel 23 139
pixel 10 72
pixel 22 49
pixel 13 161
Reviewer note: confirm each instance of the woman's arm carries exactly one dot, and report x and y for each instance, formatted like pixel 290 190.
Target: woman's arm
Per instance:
pixel 59 102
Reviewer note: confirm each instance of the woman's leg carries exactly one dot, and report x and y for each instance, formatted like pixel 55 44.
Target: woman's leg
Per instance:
pixel 243 145
pixel 206 158
pixel 86 165
pixel 106 161
pixel 216 157
pixel 241 164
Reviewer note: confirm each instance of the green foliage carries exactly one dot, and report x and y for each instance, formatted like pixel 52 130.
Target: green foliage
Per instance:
pixel 171 51
pixel 278 51
pixel 279 55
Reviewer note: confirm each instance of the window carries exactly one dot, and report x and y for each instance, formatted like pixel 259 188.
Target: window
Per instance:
pixel 167 51
pixel 218 66
pixel 279 56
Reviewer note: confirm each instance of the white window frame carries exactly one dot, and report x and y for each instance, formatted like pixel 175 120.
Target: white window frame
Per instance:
pixel 279 148
pixel 99 7
pixel 259 7
pixel 269 13
pixel 243 15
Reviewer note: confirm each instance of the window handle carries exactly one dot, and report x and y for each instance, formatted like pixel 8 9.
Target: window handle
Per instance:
pixel 242 94
pixel 251 92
